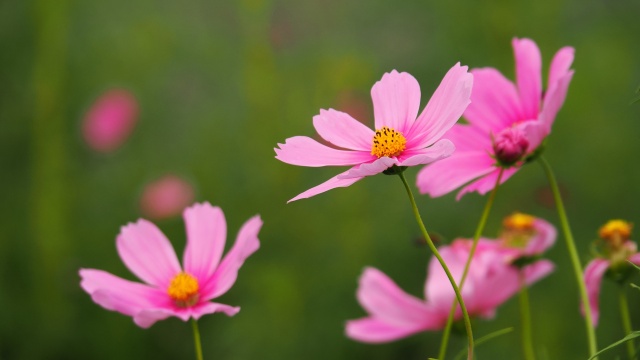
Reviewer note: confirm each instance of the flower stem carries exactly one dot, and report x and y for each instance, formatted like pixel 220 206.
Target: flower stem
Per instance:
pixel 467 321
pixel 626 321
pixel 476 236
pixel 525 319
pixel 196 338
pixel 573 254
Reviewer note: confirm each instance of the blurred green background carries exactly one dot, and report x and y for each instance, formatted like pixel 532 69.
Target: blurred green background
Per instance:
pixel 219 84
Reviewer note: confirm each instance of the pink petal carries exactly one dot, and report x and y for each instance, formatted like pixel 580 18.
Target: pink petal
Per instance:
pixel 528 75
pixel 117 294
pixel 635 258
pixel 445 107
pixel 376 167
pixel 225 275
pixel 537 271
pixel 535 131
pixel 396 101
pixel 469 138
pixel 304 151
pixel 448 174
pixel 147 318
pixel 554 100
pixel 372 330
pixel 148 253
pixel 206 236
pixel 443 148
pixel 593 274
pixel 334 182
pixel 487 183
pixel 560 65
pixel 494 102
pixel 342 130
pixel 383 299
pixel 544 238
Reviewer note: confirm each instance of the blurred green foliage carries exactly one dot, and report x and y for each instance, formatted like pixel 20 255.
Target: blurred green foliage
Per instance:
pixel 219 84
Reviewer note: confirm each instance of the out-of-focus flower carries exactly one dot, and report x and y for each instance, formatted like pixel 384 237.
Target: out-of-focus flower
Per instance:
pixel 618 249
pixel 110 120
pixel 525 237
pixel 507 123
pixel 166 197
pixel 401 137
pixel 394 314
pixel 169 289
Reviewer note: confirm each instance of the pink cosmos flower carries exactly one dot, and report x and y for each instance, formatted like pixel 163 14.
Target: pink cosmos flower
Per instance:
pixel 170 289
pixel 401 137
pixel 110 120
pixel 166 197
pixel 507 123
pixel 525 236
pixel 394 314
pixel 619 249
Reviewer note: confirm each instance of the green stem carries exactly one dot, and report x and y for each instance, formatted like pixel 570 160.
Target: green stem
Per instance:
pixel 476 236
pixel 467 321
pixel 196 338
pixel 525 318
pixel 573 254
pixel 626 321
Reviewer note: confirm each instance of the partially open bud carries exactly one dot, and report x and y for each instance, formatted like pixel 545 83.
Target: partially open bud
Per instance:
pixel 509 146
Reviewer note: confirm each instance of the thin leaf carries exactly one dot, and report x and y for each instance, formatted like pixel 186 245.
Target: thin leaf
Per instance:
pixel 631 336
pixel 635 286
pixel 484 339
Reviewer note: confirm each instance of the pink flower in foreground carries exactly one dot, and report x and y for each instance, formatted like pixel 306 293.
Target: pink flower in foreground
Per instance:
pixel 401 137
pixel 166 197
pixel 394 314
pixel 507 123
pixel 618 250
pixel 110 120
pixel 169 289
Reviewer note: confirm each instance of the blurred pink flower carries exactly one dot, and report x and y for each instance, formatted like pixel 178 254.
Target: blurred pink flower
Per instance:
pixel 507 123
pixel 166 197
pixel 619 249
pixel 525 236
pixel 401 137
pixel 394 314
pixel 110 120
pixel 169 289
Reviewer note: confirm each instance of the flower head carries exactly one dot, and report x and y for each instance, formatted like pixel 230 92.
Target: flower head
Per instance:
pixel 394 314
pixel 110 120
pixel 507 123
pixel 401 136
pixel 524 237
pixel 170 289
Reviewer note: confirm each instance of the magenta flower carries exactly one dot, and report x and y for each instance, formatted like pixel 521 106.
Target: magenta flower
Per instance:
pixel 618 251
pixel 110 120
pixel 169 289
pixel 394 314
pixel 401 137
pixel 166 197
pixel 507 123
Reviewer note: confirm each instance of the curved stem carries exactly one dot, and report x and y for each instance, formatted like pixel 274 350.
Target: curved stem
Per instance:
pixel 476 236
pixel 525 319
pixel 196 338
pixel 467 321
pixel 573 254
pixel 626 321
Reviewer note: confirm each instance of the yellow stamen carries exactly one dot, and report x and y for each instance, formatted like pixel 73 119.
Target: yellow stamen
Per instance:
pixel 183 290
pixel 388 142
pixel 518 221
pixel 616 230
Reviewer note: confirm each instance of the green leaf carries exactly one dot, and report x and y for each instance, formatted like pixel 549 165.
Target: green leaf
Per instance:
pixel 484 339
pixel 631 336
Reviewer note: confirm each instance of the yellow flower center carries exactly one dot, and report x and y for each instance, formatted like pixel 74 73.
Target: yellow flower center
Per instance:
pixel 183 290
pixel 518 221
pixel 616 231
pixel 517 230
pixel 388 142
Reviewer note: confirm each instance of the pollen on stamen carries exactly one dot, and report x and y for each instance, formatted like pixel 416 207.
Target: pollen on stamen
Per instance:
pixel 183 290
pixel 518 221
pixel 616 229
pixel 388 142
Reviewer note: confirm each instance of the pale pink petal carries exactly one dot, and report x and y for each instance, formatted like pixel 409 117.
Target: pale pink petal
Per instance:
pixel 593 274
pixel 543 239
pixel 488 182
pixel 537 270
pixel 342 130
pixel 445 107
pixel 117 294
pixel 146 318
pixel 332 183
pixel 166 197
pixel 535 131
pixel 304 151
pixel 383 299
pixel 554 99
pixel 225 275
pixel 448 174
pixel 206 235
pixel 494 101
pixel 469 138
pixel 528 76
pixel 635 258
pixel 560 65
pixel 376 167
pixel 396 101
pixel 372 330
pixel 443 148
pixel 148 253
pixel 110 120
pixel 438 290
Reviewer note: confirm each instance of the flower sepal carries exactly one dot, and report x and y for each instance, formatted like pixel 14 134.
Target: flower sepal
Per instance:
pixel 395 170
